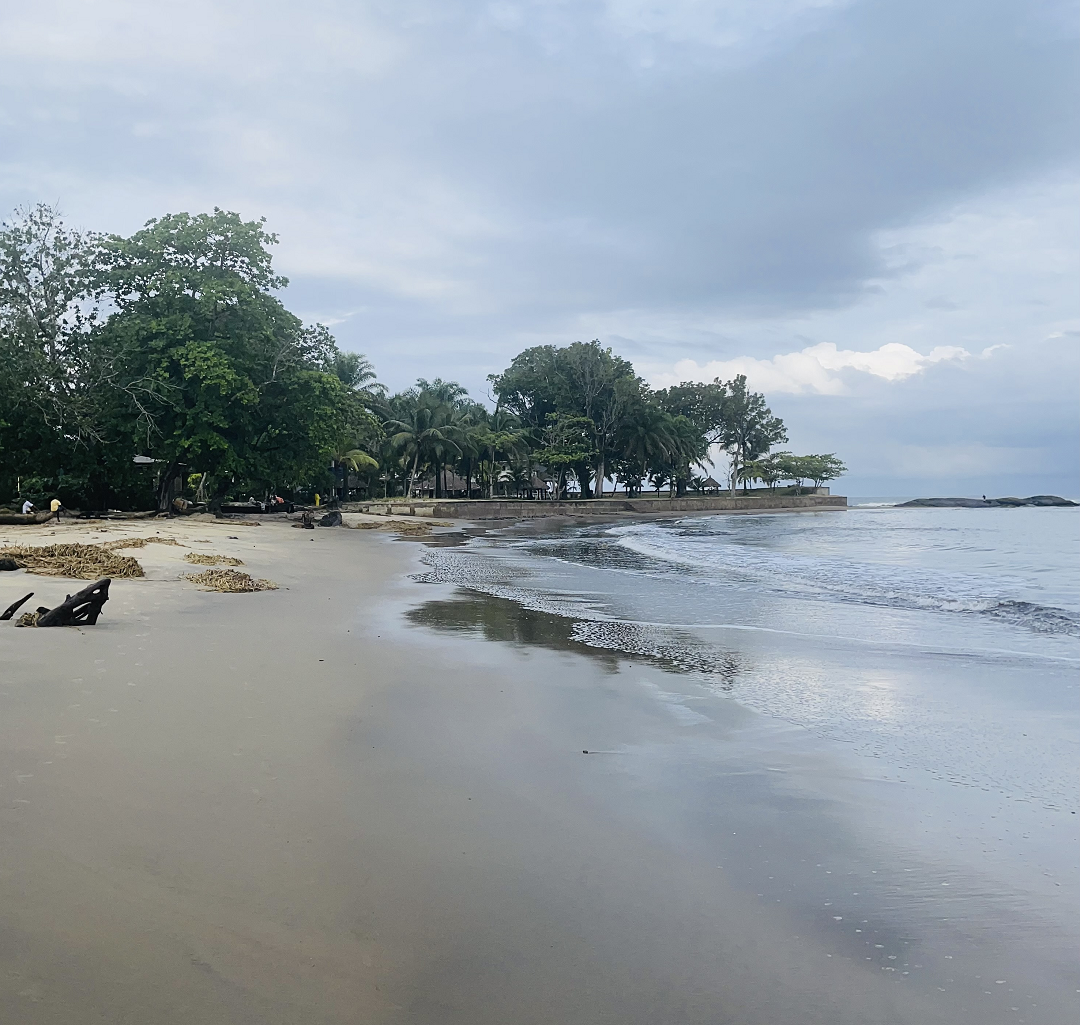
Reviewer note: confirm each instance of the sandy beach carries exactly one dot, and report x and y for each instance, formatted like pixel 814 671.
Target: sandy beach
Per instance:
pixel 305 806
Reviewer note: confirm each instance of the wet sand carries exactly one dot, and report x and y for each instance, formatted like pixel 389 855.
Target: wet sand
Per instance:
pixel 313 805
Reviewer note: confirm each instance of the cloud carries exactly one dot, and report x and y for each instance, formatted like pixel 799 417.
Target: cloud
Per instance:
pixel 816 368
pixel 869 190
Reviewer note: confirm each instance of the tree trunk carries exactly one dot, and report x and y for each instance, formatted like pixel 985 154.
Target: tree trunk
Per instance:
pixel 217 499
pixel 582 471
pixel 164 495
pixel 599 488
pixel 412 476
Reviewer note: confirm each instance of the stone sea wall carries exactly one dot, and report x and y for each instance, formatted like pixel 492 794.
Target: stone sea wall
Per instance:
pixel 515 509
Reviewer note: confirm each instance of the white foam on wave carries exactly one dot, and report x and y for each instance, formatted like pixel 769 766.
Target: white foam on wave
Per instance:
pixel 953 732
pixel 599 625
pixel 710 557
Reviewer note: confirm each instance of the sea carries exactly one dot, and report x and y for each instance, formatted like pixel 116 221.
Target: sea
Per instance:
pixel 931 656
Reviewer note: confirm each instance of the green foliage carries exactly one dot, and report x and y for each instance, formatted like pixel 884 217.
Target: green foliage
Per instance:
pixel 583 380
pixel 749 429
pixel 174 343
pixel 428 433
pixel 567 441
pixel 767 469
pixel 196 364
pixel 208 359
pixel 817 468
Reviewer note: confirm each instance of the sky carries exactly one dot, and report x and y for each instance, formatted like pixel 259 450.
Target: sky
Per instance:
pixel 869 207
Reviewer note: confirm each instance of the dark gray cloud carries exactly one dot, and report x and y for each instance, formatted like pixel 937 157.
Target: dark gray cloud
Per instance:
pixel 686 179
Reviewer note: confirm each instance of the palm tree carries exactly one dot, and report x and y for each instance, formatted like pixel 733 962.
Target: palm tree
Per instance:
pixel 448 393
pixel 647 438
pixel 352 458
pixel 684 448
pixel 472 438
pixel 501 435
pixel 425 432
pixel 353 369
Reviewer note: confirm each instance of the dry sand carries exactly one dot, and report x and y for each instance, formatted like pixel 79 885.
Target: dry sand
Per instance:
pixel 284 807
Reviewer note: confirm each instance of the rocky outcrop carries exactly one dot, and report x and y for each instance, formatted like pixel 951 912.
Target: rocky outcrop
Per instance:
pixel 986 503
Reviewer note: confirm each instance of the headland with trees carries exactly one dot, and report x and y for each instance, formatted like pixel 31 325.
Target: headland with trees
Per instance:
pixel 162 370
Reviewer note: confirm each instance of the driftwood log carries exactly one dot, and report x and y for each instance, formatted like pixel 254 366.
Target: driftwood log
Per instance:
pixel 15 606
pixel 80 609
pixel 28 519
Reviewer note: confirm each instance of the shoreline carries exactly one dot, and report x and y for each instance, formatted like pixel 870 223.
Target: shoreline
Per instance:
pixel 306 805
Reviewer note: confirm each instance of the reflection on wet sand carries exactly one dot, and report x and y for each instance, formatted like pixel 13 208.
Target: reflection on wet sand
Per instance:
pixel 500 619
pixel 763 803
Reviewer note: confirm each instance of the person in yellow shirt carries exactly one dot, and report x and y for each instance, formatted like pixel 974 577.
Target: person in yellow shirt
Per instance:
pixel 55 506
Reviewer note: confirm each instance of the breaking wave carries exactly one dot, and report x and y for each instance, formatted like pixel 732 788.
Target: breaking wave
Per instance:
pixel 708 557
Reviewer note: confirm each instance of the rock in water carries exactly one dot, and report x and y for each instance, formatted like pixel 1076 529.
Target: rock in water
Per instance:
pixel 985 503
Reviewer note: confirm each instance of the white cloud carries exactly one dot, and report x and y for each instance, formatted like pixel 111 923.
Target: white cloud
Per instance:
pixel 815 368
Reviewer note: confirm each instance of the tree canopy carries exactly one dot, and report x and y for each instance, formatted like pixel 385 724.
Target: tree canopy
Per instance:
pixel 174 345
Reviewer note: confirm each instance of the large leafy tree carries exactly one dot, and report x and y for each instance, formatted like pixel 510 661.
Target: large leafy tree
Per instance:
pixel 818 468
pixel 567 442
pixel 704 404
pixel 531 387
pixel 581 380
pixel 729 415
pixel 51 283
pixel 56 383
pixel 215 373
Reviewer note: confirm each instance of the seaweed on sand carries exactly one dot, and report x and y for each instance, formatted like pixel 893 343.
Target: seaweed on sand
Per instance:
pixel 139 542
pixel 83 562
pixel 212 560
pixel 230 581
pixel 407 527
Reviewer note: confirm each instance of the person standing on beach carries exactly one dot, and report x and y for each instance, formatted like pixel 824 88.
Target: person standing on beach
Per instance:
pixel 55 507
pixel 27 507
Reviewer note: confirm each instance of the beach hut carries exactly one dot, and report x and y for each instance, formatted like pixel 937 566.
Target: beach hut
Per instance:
pixel 710 484
pixel 453 486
